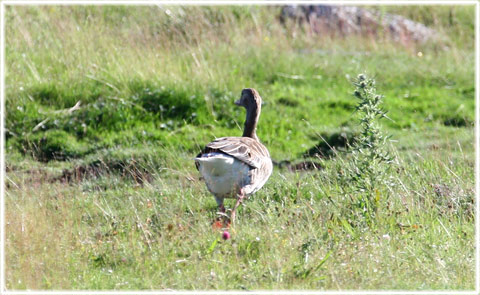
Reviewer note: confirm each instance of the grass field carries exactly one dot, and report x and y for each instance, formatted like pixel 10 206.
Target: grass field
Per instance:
pixel 107 106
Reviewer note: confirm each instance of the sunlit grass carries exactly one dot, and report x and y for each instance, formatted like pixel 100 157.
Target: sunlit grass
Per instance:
pixel 109 232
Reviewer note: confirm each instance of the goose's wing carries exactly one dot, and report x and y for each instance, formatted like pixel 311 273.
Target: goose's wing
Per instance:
pixel 245 149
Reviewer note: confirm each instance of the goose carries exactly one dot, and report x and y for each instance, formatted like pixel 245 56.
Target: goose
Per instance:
pixel 236 167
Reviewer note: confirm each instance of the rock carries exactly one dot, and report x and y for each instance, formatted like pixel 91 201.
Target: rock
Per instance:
pixel 352 20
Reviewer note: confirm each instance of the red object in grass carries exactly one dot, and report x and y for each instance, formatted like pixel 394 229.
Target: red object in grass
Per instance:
pixel 226 235
pixel 217 225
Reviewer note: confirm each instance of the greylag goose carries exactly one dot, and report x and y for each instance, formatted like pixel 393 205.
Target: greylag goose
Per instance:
pixel 235 167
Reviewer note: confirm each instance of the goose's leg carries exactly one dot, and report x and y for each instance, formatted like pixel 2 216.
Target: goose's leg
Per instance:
pixel 221 207
pixel 240 198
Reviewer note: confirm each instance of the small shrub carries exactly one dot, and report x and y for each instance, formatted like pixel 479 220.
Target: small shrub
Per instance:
pixel 370 158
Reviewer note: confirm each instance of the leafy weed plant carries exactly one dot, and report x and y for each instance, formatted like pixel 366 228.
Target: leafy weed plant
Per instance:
pixel 370 157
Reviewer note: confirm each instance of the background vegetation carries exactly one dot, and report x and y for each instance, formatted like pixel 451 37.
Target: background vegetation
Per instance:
pixel 106 107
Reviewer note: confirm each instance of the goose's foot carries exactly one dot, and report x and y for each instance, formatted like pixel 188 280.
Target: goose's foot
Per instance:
pixel 222 220
pixel 240 198
pixel 226 222
pixel 225 218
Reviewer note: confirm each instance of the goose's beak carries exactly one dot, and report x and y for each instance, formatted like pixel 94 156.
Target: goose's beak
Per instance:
pixel 237 102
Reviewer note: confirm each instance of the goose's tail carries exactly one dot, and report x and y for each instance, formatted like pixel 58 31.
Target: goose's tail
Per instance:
pixel 214 164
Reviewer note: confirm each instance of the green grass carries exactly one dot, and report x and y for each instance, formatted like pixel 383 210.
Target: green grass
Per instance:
pixel 106 109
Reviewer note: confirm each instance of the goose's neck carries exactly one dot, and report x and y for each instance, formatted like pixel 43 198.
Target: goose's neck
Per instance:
pixel 250 129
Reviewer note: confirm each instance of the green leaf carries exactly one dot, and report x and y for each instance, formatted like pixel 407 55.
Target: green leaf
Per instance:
pixel 322 262
pixel 212 246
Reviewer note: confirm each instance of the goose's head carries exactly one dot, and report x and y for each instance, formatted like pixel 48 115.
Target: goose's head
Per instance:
pixel 250 99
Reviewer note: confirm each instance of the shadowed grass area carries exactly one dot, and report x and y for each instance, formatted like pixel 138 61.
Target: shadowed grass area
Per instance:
pixel 106 107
